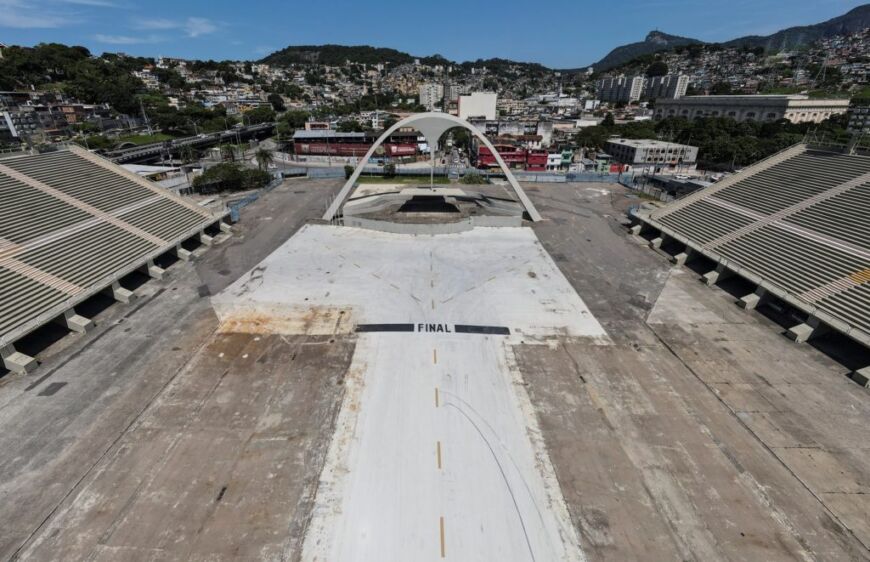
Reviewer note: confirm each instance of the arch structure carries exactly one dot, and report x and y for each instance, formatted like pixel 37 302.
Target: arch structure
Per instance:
pixel 432 125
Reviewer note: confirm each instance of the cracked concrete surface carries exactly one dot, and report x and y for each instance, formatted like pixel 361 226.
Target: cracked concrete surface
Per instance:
pixel 701 433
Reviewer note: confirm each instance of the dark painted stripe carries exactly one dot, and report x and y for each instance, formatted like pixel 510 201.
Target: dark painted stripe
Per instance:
pixel 494 330
pixel 51 389
pixel 384 327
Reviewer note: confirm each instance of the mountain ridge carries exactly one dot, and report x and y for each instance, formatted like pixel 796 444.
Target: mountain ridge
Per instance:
pixel 656 41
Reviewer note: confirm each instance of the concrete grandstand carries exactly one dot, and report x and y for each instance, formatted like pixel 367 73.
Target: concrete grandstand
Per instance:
pixel 795 225
pixel 73 224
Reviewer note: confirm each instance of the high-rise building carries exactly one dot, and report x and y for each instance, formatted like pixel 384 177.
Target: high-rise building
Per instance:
pixel 478 104
pixel 430 94
pixel 620 88
pixel 453 91
pixel 669 86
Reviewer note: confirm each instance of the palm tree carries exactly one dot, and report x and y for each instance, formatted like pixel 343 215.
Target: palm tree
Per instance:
pixel 264 157
pixel 228 152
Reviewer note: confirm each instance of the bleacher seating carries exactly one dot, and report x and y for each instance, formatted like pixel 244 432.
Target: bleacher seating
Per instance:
pixel 799 221
pixel 71 223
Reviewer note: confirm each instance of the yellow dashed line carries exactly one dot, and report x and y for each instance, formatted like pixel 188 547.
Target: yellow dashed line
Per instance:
pixel 437 398
pixel 435 356
pixel 443 549
pixel 438 453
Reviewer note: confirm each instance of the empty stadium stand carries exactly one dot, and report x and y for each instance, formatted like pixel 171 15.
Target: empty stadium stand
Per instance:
pixel 73 224
pixel 796 224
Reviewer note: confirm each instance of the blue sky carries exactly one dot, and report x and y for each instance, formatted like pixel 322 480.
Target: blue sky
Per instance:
pixel 564 34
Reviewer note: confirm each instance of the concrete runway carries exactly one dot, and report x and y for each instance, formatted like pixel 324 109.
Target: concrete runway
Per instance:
pixel 436 446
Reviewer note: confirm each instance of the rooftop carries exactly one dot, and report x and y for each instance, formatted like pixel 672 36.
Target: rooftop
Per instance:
pixel 646 143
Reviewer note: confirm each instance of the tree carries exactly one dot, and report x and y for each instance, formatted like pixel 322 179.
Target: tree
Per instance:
pixel 228 152
pixel 264 157
pixel 461 139
pixel 228 176
pixel 721 89
pixel 608 122
pixel 277 102
pixel 350 126
pixel 261 114
pixel 591 137
pixel 658 68
pixel 171 78
pixel 295 119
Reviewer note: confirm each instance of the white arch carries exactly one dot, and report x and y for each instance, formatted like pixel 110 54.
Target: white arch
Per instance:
pixel 432 125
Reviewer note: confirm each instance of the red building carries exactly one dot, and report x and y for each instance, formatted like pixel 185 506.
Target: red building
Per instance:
pixel 513 156
pixel 536 160
pixel 333 143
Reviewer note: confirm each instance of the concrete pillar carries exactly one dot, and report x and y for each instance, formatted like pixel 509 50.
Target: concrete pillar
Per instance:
pixel 154 271
pixel 719 274
pixel 805 331
pixel 656 242
pixel 861 376
pixel 16 361
pixel 121 294
pixel 683 257
pixel 183 255
pixel 205 239
pixel 636 229
pixel 76 323
pixel 752 300
pixel 225 227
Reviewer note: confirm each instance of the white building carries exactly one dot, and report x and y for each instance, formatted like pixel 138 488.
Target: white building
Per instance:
pixel 670 86
pixel 620 88
pixel 430 94
pixel 554 161
pixel 478 104
pixel 648 153
pixel 795 108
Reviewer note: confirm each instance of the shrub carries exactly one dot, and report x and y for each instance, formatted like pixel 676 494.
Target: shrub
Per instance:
pixel 389 170
pixel 228 176
pixel 473 179
pixel 348 171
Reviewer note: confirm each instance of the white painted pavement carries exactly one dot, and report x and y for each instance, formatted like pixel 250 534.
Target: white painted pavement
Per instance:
pixel 437 454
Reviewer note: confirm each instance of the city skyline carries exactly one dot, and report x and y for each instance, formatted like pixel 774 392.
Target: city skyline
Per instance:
pixel 581 35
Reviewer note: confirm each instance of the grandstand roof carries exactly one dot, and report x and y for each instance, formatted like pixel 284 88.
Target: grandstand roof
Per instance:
pixel 71 223
pixel 797 223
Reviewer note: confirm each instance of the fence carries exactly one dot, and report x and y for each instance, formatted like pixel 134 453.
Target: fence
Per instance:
pixel 237 206
pixel 536 177
pixel 653 192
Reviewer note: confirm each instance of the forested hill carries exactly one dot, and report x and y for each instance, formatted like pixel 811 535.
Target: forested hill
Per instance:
pixel 786 39
pixel 794 37
pixel 337 55
pixel 654 42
